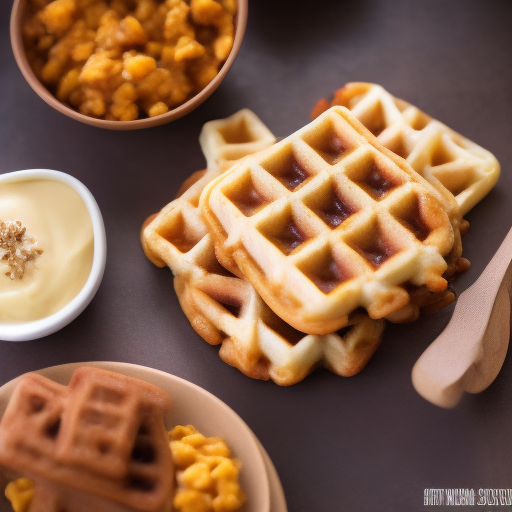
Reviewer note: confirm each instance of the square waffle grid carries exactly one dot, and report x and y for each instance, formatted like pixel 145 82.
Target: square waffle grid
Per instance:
pixel 103 435
pixel 452 163
pixel 38 410
pixel 227 140
pixel 324 215
pixel 226 310
pixel 112 430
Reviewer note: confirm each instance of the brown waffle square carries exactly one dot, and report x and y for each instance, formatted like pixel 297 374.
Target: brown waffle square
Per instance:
pixel 100 439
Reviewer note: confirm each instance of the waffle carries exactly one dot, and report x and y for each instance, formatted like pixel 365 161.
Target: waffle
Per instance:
pixel 226 140
pixel 225 309
pixel 222 142
pixel 328 220
pixel 98 444
pixel 453 164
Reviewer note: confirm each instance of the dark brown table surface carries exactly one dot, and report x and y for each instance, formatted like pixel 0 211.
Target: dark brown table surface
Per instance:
pixel 367 443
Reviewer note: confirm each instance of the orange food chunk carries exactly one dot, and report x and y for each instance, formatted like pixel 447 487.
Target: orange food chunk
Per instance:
pixel 58 16
pixel 188 48
pixel 138 66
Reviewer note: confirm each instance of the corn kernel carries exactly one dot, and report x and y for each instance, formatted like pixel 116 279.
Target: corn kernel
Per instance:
pixel 194 440
pixel 227 502
pixel 34 28
pixel 180 431
pixel 192 501
pixel 119 6
pixel 126 93
pixel 228 487
pixel 176 23
pixel 52 71
pixel 212 460
pixel 213 475
pixel 83 4
pixel 168 54
pixel 68 84
pixel 182 454
pixel 205 12
pixel 131 32
pixel 222 47
pixel 197 476
pixel 138 66
pixel 215 446
pixel 94 104
pixel 58 16
pixel 124 112
pixel 188 48
pixel 19 492
pixel 76 97
pixel 225 470
pixel 158 109
pixel 229 6
pixel 82 52
pixel 204 75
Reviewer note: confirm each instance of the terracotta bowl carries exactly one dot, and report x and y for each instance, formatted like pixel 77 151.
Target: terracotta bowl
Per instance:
pixel 18 16
pixel 212 417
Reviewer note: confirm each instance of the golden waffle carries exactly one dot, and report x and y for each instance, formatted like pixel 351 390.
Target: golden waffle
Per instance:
pixel 449 161
pixel 222 141
pixel 98 442
pixel 328 220
pixel 226 140
pixel 224 309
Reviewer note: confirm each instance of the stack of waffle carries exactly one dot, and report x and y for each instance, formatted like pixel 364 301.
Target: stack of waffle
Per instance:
pixel 98 444
pixel 290 254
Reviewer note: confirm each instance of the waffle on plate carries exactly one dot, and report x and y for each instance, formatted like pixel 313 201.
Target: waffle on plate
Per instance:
pixel 97 444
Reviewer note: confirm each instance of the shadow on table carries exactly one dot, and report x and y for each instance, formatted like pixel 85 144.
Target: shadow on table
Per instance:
pixel 290 23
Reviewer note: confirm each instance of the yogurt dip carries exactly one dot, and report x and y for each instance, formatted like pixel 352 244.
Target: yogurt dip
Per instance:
pixel 60 240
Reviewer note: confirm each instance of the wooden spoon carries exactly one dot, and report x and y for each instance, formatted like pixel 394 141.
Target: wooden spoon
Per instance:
pixel 469 353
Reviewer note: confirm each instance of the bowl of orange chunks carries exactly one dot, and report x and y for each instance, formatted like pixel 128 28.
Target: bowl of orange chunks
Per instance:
pixel 126 64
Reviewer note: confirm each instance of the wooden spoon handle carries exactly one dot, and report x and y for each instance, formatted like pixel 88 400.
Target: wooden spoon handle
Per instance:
pixel 469 353
pixel 494 274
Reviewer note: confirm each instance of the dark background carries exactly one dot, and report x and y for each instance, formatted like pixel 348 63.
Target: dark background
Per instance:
pixel 367 443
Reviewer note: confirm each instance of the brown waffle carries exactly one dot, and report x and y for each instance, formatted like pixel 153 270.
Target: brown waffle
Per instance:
pixel 328 220
pixel 226 310
pixel 99 442
pixel 452 163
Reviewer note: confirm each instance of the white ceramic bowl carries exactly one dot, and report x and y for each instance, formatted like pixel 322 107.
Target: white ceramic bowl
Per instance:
pixel 24 331
pixel 195 406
